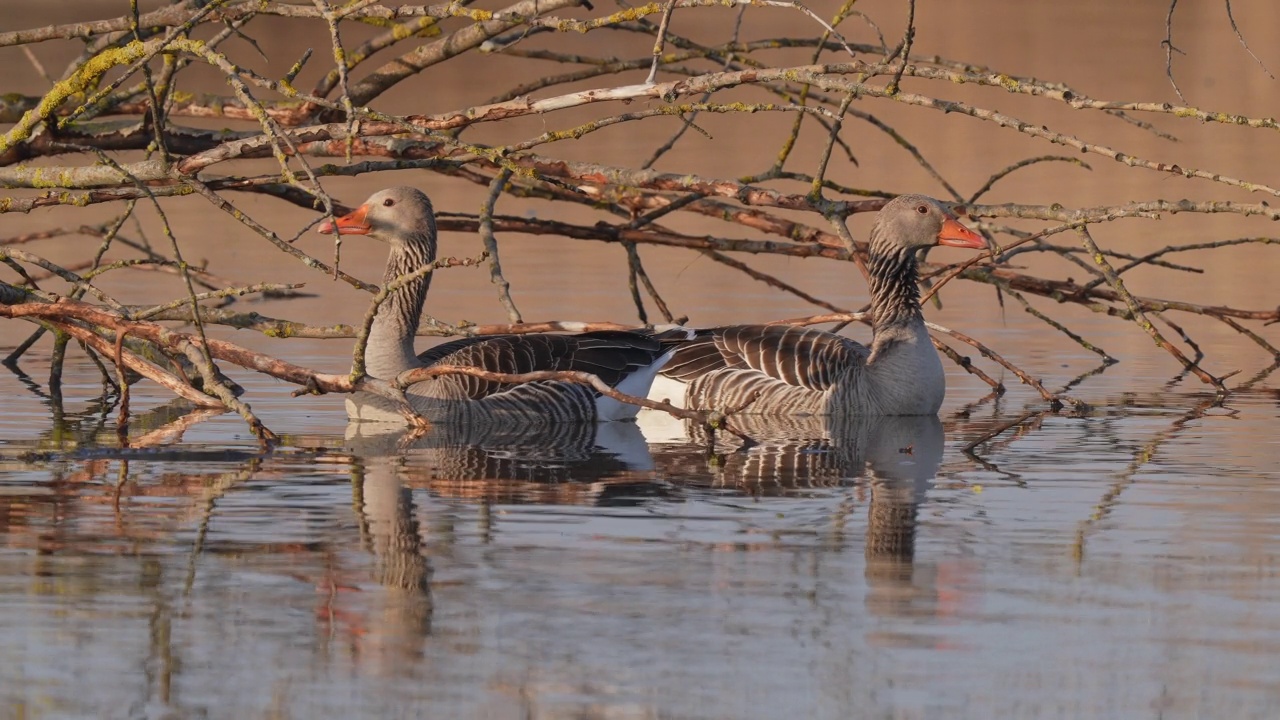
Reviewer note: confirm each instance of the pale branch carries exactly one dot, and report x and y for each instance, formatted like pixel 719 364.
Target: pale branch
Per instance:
pixel 177 15
pixel 660 40
pixel 1138 312
pixel 491 244
pixel 283 329
pixel 905 51
pixel 299 131
pixel 459 41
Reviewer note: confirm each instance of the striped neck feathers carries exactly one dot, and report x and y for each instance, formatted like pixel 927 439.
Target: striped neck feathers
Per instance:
pixel 894 283
pixel 391 338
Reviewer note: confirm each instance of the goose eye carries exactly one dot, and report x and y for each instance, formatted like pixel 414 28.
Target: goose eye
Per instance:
pixel 922 209
pixel 388 202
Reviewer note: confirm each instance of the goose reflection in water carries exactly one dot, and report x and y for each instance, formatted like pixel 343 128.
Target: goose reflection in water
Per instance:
pixel 892 459
pixel 570 463
pixel 891 462
pixel 566 463
pixel 393 628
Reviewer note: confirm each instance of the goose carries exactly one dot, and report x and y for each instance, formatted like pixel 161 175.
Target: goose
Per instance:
pixel 403 218
pixel 805 371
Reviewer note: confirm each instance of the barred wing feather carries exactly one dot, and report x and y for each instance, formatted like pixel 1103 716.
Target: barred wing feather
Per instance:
pixel 797 356
pixel 610 355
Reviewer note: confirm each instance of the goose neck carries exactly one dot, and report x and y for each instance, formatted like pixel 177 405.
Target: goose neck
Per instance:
pixel 895 292
pixel 391 337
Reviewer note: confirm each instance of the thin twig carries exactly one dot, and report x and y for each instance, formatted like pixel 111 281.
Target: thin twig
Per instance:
pixel 491 244
pixel 907 39
pixel 1137 313
pixel 660 40
pixel 1236 29
pixel 1169 49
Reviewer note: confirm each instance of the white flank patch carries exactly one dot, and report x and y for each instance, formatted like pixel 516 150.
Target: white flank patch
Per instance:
pixel 661 428
pixel 638 384
pixel 668 390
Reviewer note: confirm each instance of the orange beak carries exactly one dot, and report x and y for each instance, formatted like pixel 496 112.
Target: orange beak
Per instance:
pixel 957 235
pixel 353 223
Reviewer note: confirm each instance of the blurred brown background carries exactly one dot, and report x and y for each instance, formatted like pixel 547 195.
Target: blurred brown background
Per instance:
pixel 1104 49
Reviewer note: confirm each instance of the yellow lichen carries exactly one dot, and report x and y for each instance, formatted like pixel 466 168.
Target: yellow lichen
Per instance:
pixel 1008 83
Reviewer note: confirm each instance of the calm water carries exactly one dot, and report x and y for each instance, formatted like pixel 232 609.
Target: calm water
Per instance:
pixel 1120 564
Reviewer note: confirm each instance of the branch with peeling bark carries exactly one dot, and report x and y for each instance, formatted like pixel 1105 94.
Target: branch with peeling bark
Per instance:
pixel 285 143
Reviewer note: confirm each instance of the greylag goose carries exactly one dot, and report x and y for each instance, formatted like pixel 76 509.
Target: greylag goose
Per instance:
pixel 800 370
pixel 402 217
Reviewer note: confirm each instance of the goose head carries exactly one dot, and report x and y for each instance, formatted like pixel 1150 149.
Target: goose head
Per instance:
pixel 398 216
pixel 913 222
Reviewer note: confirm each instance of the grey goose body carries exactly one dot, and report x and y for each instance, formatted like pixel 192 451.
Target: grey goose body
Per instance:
pixel 403 218
pixel 805 371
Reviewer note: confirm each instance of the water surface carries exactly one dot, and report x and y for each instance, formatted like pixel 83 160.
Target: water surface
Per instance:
pixel 1119 563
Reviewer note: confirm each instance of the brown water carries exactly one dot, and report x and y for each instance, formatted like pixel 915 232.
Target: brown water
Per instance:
pixel 1121 564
